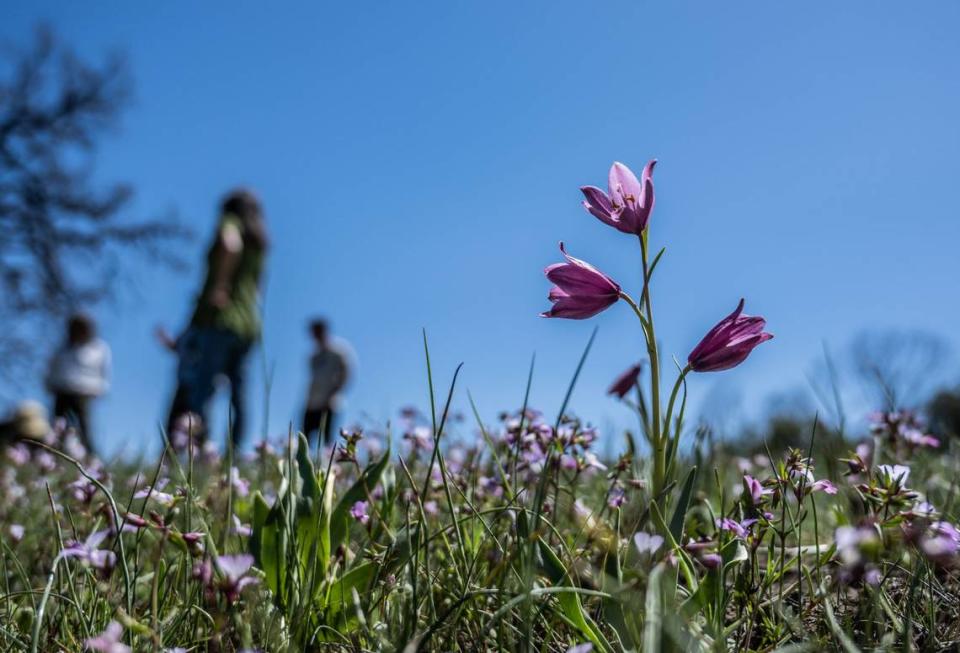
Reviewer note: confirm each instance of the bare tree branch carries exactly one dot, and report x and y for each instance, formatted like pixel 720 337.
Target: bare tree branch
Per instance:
pixel 63 234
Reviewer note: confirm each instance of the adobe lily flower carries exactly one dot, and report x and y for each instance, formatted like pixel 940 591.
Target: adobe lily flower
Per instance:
pixel 630 202
pixel 728 343
pixel 581 291
pixel 625 382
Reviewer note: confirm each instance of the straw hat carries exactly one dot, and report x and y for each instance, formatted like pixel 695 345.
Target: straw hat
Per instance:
pixel 29 420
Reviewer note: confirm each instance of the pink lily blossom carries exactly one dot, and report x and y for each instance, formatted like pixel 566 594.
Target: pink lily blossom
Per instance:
pixel 629 203
pixel 580 290
pixel 728 343
pixel 625 382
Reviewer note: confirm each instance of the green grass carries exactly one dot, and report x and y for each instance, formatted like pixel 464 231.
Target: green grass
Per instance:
pixel 471 547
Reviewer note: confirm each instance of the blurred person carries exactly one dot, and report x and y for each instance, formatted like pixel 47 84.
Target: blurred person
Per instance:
pixel 226 318
pixel 181 425
pixel 79 372
pixel 329 372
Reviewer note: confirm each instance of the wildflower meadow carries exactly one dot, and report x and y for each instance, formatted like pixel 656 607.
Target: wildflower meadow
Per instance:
pixel 445 532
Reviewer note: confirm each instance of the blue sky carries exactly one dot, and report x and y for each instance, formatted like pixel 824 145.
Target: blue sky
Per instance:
pixel 419 161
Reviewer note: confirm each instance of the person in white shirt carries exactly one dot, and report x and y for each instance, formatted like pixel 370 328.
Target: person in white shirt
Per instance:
pixel 79 372
pixel 329 371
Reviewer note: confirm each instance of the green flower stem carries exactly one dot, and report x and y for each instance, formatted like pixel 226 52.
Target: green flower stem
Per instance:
pixel 636 309
pixel 659 441
pixel 650 427
pixel 644 313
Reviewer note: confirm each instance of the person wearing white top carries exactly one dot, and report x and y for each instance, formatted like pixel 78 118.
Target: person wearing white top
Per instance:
pixel 329 372
pixel 79 371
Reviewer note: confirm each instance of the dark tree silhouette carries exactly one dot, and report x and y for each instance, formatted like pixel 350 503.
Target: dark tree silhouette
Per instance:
pixel 943 413
pixel 62 233
pixel 899 368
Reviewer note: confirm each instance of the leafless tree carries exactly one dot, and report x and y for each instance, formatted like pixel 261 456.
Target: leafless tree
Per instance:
pixel 722 409
pixel 62 235
pixel 943 411
pixel 900 368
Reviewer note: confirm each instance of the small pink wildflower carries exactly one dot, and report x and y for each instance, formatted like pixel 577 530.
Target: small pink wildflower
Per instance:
pixel 234 569
pixel 755 489
pixel 359 512
pixel 154 493
pixel 109 641
pixel 243 530
pixel 739 529
pixel 647 543
pixel 241 486
pixel 89 551
pixel 823 485
pixel 941 543
pixel 16 532
pixel 617 498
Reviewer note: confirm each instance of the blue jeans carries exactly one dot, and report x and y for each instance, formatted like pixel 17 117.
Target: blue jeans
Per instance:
pixel 205 354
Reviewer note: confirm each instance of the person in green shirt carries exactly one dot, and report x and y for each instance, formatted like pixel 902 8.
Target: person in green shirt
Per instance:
pixel 226 319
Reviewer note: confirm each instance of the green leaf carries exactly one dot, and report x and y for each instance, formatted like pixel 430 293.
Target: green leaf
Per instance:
pixel 327 508
pixel 684 562
pixel 680 512
pixel 570 601
pixel 273 547
pixel 313 535
pixel 260 512
pixel 400 550
pixel 357 578
pixel 656 259
pixel 733 552
pixel 846 643
pixel 523 525
pixel 310 488
pixel 654 610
